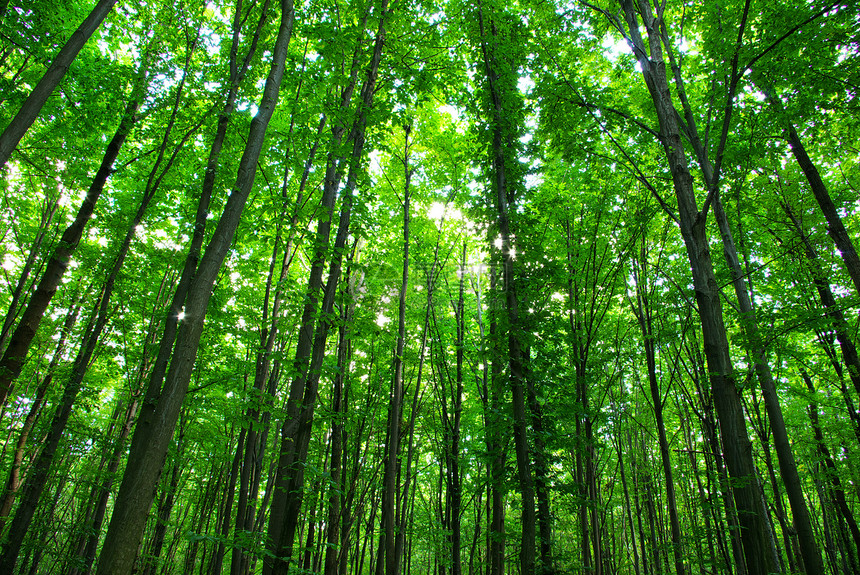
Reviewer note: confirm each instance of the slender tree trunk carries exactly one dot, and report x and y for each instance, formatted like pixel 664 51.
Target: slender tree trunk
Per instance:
pixel 516 360
pixel 395 409
pixel 830 470
pixel 492 398
pixel 628 508
pixel 334 546
pixel 33 104
pixel 310 351
pixel 542 482
pixel 643 311
pixel 47 217
pixel 835 228
pixel 787 465
pixel 13 483
pixel 410 480
pixel 165 508
pixel 152 436
pixel 457 405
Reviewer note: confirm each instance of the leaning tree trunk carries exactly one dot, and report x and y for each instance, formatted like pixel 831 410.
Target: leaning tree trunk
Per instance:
pixel 21 288
pixel 812 561
pixel 19 343
pixel 13 482
pixel 831 473
pixel 835 228
pixel 33 104
pixel 152 436
pixel 37 481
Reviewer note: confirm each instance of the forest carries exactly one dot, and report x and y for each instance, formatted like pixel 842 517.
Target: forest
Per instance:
pixel 451 287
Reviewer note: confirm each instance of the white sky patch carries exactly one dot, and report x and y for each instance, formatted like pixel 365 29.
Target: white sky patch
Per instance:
pixel 525 84
pixel 10 262
pixel 437 211
pixel 614 47
pixel 533 180
pixel 382 320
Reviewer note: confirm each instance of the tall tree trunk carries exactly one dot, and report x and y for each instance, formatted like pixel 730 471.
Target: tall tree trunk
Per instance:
pixel 310 351
pixel 835 228
pixel 501 150
pixel 787 465
pixel 542 481
pixel 456 486
pixel 152 435
pixel 830 470
pixel 47 217
pixel 492 399
pixel 395 413
pixel 33 104
pixel 13 482
pixel 643 311
pixel 736 443
pixel 395 409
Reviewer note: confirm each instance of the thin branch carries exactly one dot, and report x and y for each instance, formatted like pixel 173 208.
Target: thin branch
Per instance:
pixel 782 38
